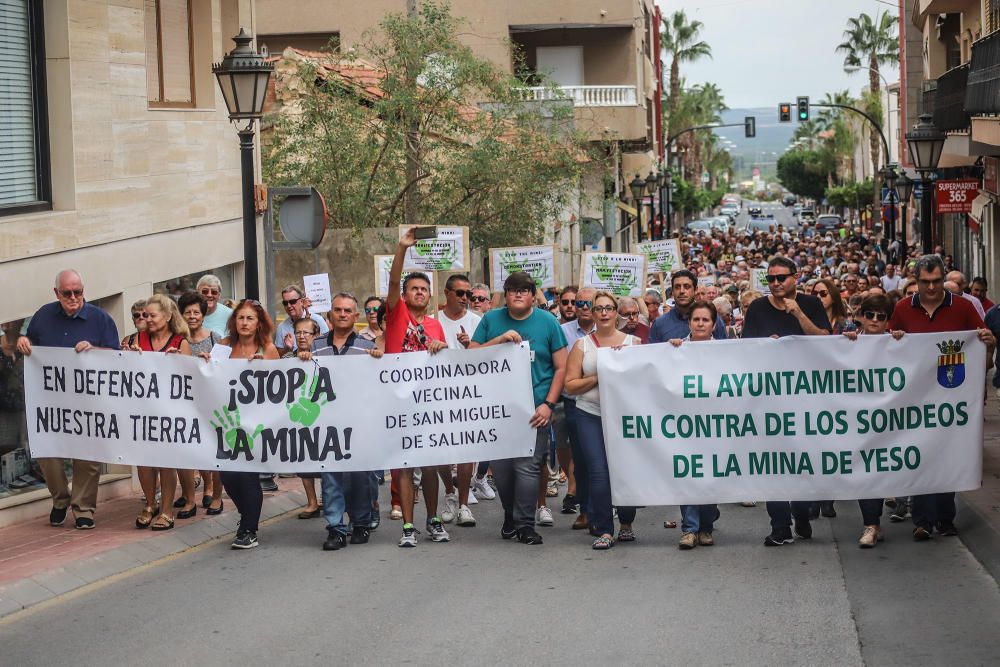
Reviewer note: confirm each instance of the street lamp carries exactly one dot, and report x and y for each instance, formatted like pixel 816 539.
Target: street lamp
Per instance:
pixel 904 186
pixel 243 75
pixel 889 178
pixel 651 190
pixel 638 188
pixel 925 143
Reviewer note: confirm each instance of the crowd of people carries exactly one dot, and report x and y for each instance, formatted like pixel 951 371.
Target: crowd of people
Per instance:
pixel 817 285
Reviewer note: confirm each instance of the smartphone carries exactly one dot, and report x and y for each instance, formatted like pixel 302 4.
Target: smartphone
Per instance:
pixel 421 233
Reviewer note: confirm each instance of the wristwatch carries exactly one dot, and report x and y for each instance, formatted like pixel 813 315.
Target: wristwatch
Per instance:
pixel 552 406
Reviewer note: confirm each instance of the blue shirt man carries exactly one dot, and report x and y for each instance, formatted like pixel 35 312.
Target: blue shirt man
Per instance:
pixel 683 285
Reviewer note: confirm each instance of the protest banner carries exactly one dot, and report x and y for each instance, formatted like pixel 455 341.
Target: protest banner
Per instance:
pixel 538 261
pixel 662 256
pixel 330 414
pixel 705 281
pixel 797 418
pixel 448 251
pixel 620 274
pixel 383 263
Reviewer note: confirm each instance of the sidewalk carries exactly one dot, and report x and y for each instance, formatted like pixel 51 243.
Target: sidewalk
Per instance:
pixel 39 562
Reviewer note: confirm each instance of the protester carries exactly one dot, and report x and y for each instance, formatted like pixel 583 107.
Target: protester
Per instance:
pixel 517 479
pixel 138 321
pixel 567 304
pixel 581 381
pixel 372 329
pixel 836 311
pixel 978 289
pixel 934 309
pixel 628 311
pixel 70 322
pixel 305 332
pixel 218 315
pixel 481 300
pixel 683 287
pixel 653 302
pixel 957 278
pixel 296 307
pixel 697 521
pixel 251 329
pixel 166 331
pixel 410 329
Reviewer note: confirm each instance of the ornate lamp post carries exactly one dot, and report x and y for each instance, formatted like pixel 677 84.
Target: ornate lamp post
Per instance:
pixel 925 143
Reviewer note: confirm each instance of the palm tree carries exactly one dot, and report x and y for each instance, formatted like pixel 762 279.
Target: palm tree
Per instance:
pixel 867 44
pixel 679 38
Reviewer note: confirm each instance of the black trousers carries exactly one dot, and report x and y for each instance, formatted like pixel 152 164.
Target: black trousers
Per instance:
pixel 244 490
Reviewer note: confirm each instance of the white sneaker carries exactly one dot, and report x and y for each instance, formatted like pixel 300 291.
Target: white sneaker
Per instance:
pixel 436 531
pixel 482 488
pixel 473 500
pixel 543 516
pixel 465 517
pixel 450 507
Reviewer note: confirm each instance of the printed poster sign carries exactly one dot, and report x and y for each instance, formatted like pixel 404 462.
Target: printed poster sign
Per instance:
pixel 662 256
pixel 538 261
pixel 330 414
pixel 758 281
pixel 618 273
pixel 955 196
pixel 448 251
pixel 317 288
pixel 789 418
pixel 383 264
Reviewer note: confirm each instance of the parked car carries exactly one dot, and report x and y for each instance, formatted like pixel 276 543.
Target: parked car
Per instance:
pixel 754 209
pixel 789 200
pixel 761 223
pixel 729 209
pixel 828 222
pixel 700 226
pixel 722 222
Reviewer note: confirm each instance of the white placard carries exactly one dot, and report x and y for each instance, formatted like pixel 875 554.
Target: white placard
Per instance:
pixel 663 256
pixel 318 290
pixel 538 261
pixel 758 281
pixel 383 264
pixel 618 273
pixel 448 251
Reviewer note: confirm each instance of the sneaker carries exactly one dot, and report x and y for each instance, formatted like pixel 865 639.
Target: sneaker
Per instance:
pixel 450 507
pixel 473 500
pixel 869 538
pixel 705 539
pixel 543 516
pixel 945 528
pixel 803 529
pixel 508 531
pixel 334 540
pixel 482 488
pixel 569 504
pixel 85 523
pixel 688 541
pixel 921 534
pixel 397 513
pixel 528 536
pixel 900 514
pixel 437 531
pixel 360 535
pixel 827 509
pixel 57 516
pixel 465 517
pixel 409 538
pixel 245 539
pixel 777 540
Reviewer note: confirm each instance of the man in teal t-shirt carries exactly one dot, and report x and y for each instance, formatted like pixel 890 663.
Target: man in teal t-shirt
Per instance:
pixel 517 479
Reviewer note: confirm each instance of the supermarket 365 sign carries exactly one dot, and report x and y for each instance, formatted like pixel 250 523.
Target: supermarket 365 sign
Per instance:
pixel 956 196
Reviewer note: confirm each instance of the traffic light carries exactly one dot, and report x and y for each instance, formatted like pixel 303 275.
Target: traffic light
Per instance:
pixel 803 104
pixel 785 112
pixel 750 127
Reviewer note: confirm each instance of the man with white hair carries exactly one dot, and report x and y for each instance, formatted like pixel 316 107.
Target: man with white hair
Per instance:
pixel 218 314
pixel 70 322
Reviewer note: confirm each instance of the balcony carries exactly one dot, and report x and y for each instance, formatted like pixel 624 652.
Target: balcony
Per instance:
pixel 982 95
pixel 950 114
pixel 585 96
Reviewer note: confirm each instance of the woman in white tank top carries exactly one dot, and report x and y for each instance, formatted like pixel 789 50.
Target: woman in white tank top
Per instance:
pixel 581 381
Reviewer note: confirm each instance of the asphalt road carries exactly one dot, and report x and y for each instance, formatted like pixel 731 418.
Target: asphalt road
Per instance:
pixel 480 600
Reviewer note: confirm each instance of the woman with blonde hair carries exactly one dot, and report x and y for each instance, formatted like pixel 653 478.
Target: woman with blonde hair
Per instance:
pixel 167 332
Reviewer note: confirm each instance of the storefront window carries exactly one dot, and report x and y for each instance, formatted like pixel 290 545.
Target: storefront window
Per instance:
pixel 177 286
pixel 18 473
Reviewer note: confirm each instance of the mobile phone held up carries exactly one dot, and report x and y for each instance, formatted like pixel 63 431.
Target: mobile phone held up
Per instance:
pixel 422 233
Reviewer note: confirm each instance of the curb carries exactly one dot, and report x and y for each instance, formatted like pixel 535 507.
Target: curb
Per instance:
pixel 47 586
pixel 980 534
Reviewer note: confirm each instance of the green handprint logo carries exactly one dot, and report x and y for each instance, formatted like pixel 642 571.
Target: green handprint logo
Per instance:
pixel 306 411
pixel 510 263
pixel 603 268
pixel 229 423
pixel 625 286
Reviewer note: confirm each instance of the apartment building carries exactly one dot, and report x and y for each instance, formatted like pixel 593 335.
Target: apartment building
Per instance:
pixel 118 160
pixel 602 56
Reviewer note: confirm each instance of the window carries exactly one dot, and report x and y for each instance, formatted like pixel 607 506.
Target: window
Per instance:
pixel 169 75
pixel 24 149
pixel 992 12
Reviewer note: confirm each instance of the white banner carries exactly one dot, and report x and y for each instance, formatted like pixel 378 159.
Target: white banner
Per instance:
pixel 538 261
pixel 663 256
pixel 334 414
pixel 448 251
pixel 620 274
pixel 799 418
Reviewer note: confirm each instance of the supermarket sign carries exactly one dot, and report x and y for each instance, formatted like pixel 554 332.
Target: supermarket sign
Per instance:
pixel 955 196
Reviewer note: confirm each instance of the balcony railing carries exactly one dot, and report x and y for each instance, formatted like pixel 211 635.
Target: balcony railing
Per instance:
pixel 585 96
pixel 982 95
pixel 949 101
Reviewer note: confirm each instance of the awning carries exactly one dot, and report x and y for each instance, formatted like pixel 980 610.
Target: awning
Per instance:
pixel 979 204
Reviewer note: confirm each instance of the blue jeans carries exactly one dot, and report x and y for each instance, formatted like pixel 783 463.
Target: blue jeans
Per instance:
pixel 590 435
pixel 351 492
pixel 698 518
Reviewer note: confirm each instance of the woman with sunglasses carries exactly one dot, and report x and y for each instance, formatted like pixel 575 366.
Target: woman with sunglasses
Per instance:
pixel 833 304
pixel 373 329
pixel 581 381
pixel 167 332
pixel 875 312
pixel 252 330
pixel 218 313
pixel 138 320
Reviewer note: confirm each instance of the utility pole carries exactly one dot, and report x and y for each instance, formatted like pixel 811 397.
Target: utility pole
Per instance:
pixel 411 197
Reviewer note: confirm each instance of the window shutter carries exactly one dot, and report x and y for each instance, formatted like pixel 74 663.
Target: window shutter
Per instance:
pixel 18 161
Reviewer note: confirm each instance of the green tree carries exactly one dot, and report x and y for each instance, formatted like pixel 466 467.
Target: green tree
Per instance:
pixel 804 172
pixel 503 170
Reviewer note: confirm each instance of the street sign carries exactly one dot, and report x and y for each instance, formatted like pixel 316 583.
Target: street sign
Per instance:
pixel 889 196
pixel 956 195
pixel 918 191
pixel 705 177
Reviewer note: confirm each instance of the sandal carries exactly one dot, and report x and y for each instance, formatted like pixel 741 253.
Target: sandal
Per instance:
pixel 603 543
pixel 163 522
pixel 626 535
pixel 669 524
pixel 145 517
pixel 310 514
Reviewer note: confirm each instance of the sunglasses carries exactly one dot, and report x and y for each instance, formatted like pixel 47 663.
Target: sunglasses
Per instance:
pixel 462 293
pixel 584 304
pixel 67 293
pixel 567 302
pixel 290 302
pixel 478 299
pixel 369 310
pixel 821 293
pixel 778 278
pixel 205 291
pixel 137 316
pixel 603 309
pixel 872 315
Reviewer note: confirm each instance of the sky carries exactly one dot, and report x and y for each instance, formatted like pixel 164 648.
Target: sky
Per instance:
pixel 770 51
